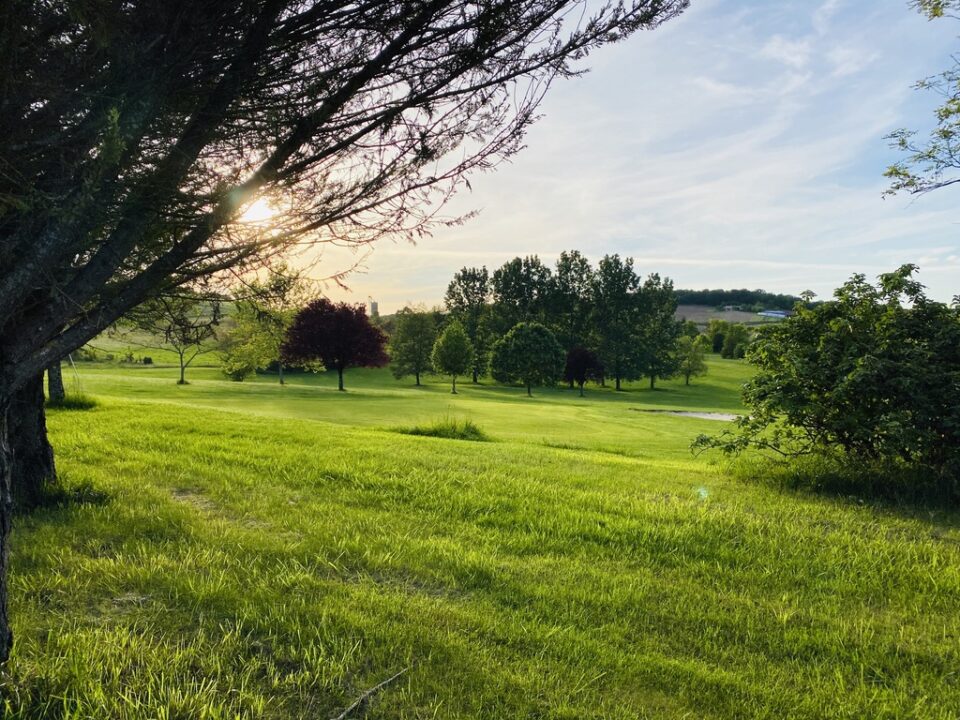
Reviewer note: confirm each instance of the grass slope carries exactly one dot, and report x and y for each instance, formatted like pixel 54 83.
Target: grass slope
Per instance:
pixel 604 419
pixel 261 564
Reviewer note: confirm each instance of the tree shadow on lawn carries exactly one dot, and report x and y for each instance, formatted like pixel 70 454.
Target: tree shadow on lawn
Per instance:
pixel 62 496
pixel 907 493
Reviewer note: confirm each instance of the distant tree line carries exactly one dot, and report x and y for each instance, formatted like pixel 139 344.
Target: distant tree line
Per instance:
pixel 750 300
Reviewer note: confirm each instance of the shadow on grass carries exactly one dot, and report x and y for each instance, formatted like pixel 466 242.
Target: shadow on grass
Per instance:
pixel 910 492
pixel 72 402
pixel 62 496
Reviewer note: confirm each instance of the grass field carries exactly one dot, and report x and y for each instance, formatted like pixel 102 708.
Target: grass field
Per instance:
pixel 249 550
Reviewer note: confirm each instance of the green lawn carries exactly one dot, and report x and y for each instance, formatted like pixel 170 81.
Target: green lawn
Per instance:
pixel 247 550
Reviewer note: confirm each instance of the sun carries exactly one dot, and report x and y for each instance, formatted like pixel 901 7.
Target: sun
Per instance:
pixel 259 211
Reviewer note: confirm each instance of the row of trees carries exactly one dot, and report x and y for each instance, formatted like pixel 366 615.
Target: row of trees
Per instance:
pixel 576 323
pixel 626 321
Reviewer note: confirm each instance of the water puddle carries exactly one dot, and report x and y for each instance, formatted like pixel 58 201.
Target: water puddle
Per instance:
pixel 723 417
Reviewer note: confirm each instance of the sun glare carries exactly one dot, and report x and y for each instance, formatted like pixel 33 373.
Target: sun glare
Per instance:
pixel 258 212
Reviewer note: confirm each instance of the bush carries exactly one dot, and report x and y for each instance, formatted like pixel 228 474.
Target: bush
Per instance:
pixel 147 360
pixel 868 380
pixel 237 368
pixel 450 429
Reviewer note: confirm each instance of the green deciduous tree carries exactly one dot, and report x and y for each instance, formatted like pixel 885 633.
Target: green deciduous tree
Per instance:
pixel 521 293
pixel 264 311
pixel 935 162
pixel 186 322
pixel 411 344
pixel 453 354
pixel 716 332
pixel 872 374
pixel 616 318
pixel 570 301
pixel 467 298
pixel 736 340
pixel 659 329
pixel 528 354
pixel 690 352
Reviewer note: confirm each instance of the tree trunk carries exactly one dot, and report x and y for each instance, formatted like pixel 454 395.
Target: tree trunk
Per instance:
pixel 476 376
pixel 280 371
pixel 6 508
pixel 617 385
pixel 686 379
pixel 581 389
pixel 183 372
pixel 529 394
pixel 454 391
pixel 55 383
pixel 32 465
pixel 653 382
pixel 417 376
pixel 340 379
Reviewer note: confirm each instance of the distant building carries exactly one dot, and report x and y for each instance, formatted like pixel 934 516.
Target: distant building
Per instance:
pixel 775 314
pixel 374 309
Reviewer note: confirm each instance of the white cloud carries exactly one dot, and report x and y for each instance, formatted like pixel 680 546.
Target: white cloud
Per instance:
pixel 849 60
pixel 793 53
pixel 824 14
pixel 693 152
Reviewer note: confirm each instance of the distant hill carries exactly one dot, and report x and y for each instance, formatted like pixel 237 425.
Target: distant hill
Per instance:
pixel 703 314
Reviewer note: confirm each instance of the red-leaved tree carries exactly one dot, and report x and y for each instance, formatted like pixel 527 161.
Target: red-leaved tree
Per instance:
pixel 338 335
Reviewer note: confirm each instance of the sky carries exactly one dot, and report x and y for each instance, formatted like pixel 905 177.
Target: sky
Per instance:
pixel 739 145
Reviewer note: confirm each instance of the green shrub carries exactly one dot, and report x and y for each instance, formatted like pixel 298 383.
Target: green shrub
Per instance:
pixel 450 429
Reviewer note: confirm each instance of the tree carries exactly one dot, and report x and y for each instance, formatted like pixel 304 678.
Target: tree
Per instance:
pixel 264 312
pixel 581 365
pixel 140 136
pixel 570 302
pixel 186 322
pixel 659 329
pixel 935 163
pixel 690 329
pixel 411 344
pixel 55 389
pixel 528 354
pixel 716 333
pixel 452 353
pixel 690 352
pixel 521 292
pixel 870 374
pixel 466 300
pixel 735 341
pixel 338 335
pixel 616 318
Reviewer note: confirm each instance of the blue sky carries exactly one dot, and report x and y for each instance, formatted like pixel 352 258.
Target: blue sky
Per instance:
pixel 740 145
